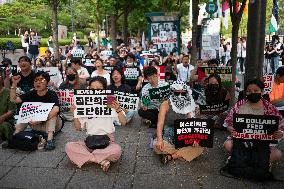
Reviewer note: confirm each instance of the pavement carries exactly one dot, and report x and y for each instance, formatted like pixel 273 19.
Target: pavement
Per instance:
pixel 139 167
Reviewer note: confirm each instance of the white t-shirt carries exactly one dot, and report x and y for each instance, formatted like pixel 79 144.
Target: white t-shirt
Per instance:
pixel 184 72
pixel 106 75
pixel 98 125
pixel 83 73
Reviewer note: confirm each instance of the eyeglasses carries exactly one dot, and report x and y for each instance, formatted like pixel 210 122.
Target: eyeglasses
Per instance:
pixel 39 80
pixel 182 93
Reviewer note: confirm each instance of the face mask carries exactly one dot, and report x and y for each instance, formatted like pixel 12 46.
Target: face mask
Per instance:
pixel 71 77
pixel 254 97
pixel 213 88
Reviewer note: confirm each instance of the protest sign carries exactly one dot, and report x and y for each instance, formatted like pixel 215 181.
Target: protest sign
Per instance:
pixel 146 100
pixel 214 108
pixel 65 98
pixel 88 61
pixel 188 131
pixel 255 127
pixel 54 73
pixel 92 103
pixel 105 54
pixel 108 68
pixel 160 93
pixel 131 73
pixel 268 79
pixel 11 69
pixel 127 101
pixel 77 53
pixel 34 111
pixel 225 74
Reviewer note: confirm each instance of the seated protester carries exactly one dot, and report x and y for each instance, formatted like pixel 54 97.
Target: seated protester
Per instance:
pixel 7 109
pixel 254 104
pixel 40 62
pixel 40 94
pixel 184 69
pixel 179 106
pixel 214 94
pixel 117 84
pixel 277 94
pixel 136 84
pixel 78 152
pixel 150 111
pixel 100 71
pixel 82 72
pixel 72 80
pixel 26 74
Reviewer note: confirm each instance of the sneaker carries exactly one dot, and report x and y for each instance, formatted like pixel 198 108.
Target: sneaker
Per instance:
pixel 41 143
pixel 50 145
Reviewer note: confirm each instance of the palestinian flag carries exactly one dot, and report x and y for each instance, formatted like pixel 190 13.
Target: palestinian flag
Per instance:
pixel 273 25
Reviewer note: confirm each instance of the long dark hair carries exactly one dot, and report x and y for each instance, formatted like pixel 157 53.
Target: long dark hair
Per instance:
pixel 120 72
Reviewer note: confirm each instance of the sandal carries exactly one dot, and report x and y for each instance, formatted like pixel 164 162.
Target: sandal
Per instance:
pixel 105 165
pixel 166 158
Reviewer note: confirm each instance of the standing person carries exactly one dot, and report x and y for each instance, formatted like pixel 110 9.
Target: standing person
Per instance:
pixel 243 54
pixel 179 106
pixel 278 49
pixel 24 40
pixel 269 50
pixel 184 69
pixel 33 51
pixel 100 71
pixel 90 43
pixel 150 111
pixel 78 152
pixel 50 43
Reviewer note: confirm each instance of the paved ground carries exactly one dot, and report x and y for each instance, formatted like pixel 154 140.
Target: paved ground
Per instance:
pixel 138 168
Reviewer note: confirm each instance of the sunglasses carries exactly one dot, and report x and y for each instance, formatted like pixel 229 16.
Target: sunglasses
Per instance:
pixel 183 93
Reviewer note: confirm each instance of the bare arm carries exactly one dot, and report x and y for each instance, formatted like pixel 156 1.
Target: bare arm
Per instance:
pixel 54 112
pixel 161 119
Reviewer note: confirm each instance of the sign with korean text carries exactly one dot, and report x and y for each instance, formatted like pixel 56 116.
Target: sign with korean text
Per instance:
pixel 65 98
pixel 268 80
pixel 127 101
pixel 54 73
pixel 131 73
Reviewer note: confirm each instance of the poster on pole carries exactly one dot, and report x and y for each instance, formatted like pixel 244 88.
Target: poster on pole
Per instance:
pixel 268 80
pixel 255 127
pixel 93 103
pixel 193 130
pixel 62 32
pixel 34 111
pixel 65 97
pixel 127 101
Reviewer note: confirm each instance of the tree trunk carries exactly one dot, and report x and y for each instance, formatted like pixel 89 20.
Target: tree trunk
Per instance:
pixel 54 5
pixel 125 25
pixel 98 36
pixel 255 40
pixel 113 30
pixel 195 13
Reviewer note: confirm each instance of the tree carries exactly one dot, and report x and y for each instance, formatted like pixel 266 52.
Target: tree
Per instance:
pixel 195 13
pixel 54 6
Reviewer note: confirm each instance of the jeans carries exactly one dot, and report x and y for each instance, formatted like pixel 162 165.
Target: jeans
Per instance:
pixel 33 56
pixel 274 63
pixel 242 62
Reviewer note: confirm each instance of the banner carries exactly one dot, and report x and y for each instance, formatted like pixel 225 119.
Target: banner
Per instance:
pixel 225 74
pixel 268 80
pixel 131 73
pixel 77 53
pixel 65 98
pixel 54 73
pixel 88 61
pixel 255 127
pixel 188 131
pixel 92 103
pixel 34 111
pixel 214 108
pixel 160 93
pixel 164 36
pixel 127 101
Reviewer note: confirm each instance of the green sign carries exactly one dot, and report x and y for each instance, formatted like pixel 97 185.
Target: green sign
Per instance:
pixel 146 100
pixel 160 93
pixel 211 8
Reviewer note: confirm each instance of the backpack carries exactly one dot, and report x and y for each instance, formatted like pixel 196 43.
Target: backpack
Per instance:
pixel 250 160
pixel 24 140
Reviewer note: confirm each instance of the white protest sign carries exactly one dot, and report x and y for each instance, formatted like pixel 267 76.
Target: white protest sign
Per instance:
pixel 127 101
pixel 131 73
pixel 92 103
pixel 54 73
pixel 65 98
pixel 77 53
pixel 206 41
pixel 268 79
pixel 88 61
pixel 106 54
pixel 34 111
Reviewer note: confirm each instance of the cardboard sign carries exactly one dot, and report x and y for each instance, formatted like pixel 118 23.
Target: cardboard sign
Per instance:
pixel 160 93
pixel 92 103
pixel 88 61
pixel 268 79
pixel 77 53
pixel 215 108
pixel 108 68
pixel 9 69
pixel 54 73
pixel 34 111
pixel 225 74
pixel 188 131
pixel 255 127
pixel 127 101
pixel 65 98
pixel 131 73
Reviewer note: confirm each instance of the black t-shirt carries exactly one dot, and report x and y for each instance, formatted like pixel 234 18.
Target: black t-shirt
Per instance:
pixel 49 97
pixel 26 83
